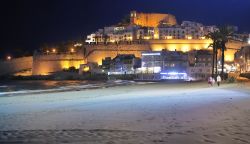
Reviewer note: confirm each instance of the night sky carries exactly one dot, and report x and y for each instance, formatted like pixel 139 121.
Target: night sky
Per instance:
pixel 27 24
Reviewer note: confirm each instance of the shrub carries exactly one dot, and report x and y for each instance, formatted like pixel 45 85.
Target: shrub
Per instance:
pixel 245 75
pixel 231 80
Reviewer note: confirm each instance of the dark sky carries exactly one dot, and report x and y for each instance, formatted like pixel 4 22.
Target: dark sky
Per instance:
pixel 27 24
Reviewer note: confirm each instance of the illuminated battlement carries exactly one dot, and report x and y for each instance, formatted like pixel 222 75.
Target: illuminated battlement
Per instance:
pixel 152 19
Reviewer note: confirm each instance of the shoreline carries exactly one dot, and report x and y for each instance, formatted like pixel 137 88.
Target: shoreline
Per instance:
pixel 109 84
pixel 70 88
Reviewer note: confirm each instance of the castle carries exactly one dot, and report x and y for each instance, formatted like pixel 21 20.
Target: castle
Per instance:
pixel 152 19
pixel 145 32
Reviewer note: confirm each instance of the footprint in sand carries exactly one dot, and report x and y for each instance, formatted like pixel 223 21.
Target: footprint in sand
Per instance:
pixel 209 141
pixel 241 140
pixel 190 132
pixel 169 133
pixel 221 134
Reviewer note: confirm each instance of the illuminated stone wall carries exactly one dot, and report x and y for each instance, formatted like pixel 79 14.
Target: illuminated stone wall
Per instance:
pixel 15 65
pixel 95 53
pixel 187 45
pixel 151 19
pixel 46 64
pixel 179 44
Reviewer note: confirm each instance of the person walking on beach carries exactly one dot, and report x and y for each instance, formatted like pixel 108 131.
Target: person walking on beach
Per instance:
pixel 213 81
pixel 218 79
pixel 210 81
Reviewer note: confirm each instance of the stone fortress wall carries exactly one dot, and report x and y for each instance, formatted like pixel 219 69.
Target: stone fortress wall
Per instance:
pixel 42 64
pixel 16 65
pixel 95 53
pixel 151 19
pixel 46 64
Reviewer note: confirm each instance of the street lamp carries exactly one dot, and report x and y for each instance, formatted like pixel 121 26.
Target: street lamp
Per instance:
pixel 72 50
pixel 8 58
pixel 248 41
pixel 54 50
pixel 77 45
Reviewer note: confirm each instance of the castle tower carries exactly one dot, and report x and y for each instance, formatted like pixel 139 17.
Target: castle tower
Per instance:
pixel 151 19
pixel 133 16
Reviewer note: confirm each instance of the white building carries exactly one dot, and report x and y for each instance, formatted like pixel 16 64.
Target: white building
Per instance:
pixel 176 32
pixel 90 39
pixel 187 30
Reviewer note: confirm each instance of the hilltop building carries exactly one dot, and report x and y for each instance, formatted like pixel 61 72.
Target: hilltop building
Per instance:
pixel 152 19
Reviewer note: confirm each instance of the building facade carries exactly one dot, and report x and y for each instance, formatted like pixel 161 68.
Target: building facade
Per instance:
pixel 169 64
pixel 242 60
pixel 201 69
pixel 124 64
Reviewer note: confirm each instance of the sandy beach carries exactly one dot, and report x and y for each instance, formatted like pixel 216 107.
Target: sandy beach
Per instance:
pixel 157 113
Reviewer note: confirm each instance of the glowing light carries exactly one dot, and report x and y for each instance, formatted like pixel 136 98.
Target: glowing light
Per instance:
pixel 229 58
pixel 249 41
pixel 130 38
pixel 156 36
pixel 47 51
pixel 146 37
pixel 72 50
pixel 9 57
pixel 150 54
pixel 74 63
pixel 189 37
pixel 86 69
pixel 24 73
pixel 173 73
pixel 180 44
pixel 54 50
pixel 185 48
pixel 150 69
pixel 157 69
pixel 77 45
pixel 229 55
pixel 203 37
pixel 169 37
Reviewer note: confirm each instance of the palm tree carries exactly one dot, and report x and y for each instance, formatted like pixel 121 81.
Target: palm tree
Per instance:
pixel 225 32
pixel 215 37
pixel 216 58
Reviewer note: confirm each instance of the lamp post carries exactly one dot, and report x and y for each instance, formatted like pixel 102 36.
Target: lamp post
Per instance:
pixel 54 50
pixel 72 50
pixel 9 58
